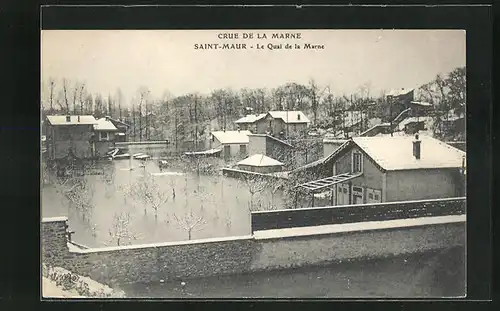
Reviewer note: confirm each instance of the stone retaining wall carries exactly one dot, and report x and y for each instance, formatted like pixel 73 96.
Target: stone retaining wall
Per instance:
pixel 209 257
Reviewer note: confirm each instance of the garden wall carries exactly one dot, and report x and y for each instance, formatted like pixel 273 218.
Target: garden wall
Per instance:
pixel 265 250
pixel 319 216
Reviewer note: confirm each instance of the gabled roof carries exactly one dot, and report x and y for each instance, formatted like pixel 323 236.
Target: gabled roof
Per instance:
pixel 396 153
pixel 260 160
pixel 251 118
pixel 117 121
pixel 103 124
pixel 427 120
pixel 232 137
pixel 74 120
pixel 290 116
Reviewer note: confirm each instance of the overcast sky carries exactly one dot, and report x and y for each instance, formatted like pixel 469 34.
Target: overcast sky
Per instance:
pixel 166 60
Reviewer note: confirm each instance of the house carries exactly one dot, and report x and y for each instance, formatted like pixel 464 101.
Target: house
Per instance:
pixel 399 100
pixel 387 169
pixel 420 109
pixel 413 125
pixel 293 153
pixel 272 147
pixel 284 124
pixel 105 136
pixel 453 122
pixel 69 136
pixel 260 163
pixel 123 129
pixel 276 123
pixel 234 144
pixel 249 123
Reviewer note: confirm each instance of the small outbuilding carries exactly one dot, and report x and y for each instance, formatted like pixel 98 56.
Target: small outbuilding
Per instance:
pixel 260 163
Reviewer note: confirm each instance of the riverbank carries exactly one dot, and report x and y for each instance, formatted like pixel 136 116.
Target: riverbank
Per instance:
pixel 427 275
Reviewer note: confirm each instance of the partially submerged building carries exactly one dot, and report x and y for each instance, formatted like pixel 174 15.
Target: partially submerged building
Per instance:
pixel 123 128
pixel 234 144
pixel 272 147
pixel 260 163
pixel 385 169
pixel 105 136
pixel 69 136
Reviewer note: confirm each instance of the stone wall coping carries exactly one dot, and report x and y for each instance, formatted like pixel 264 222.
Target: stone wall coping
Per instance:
pixel 162 244
pixel 55 219
pixel 356 227
pixel 356 205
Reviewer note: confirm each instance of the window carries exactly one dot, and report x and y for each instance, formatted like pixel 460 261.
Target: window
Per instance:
pixel 243 149
pixel 345 190
pixel 370 196
pixel 103 136
pixel 377 197
pixel 357 162
pixel 340 190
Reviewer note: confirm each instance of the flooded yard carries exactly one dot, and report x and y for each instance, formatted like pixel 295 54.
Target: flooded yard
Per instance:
pixel 218 205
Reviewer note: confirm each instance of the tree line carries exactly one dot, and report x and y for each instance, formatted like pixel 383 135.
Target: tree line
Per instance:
pixel 190 117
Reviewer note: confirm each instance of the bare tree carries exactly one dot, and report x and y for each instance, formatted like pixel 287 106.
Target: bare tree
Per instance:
pixel 81 98
pixel 52 85
pixel 119 100
pixel 65 93
pixel 120 232
pixel 78 193
pixel 190 223
pixel 255 184
pixel 148 192
pixel 75 95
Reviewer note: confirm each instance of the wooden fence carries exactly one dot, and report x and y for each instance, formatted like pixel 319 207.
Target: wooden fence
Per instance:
pixel 318 216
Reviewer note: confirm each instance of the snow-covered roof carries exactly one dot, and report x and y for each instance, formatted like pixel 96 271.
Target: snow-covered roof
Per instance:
pixel 250 118
pixel 290 116
pixel 396 153
pixel 232 137
pixel 427 121
pixel 399 92
pixel 103 124
pixel 260 160
pixel 73 120
pixel 118 121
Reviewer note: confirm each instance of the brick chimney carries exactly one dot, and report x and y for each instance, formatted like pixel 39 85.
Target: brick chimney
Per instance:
pixel 416 147
pixel 78 118
pixel 68 118
pixel 298 116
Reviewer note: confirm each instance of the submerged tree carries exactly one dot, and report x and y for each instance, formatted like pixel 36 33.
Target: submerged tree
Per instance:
pixel 190 222
pixel 78 193
pixel 148 192
pixel 120 232
pixel 255 184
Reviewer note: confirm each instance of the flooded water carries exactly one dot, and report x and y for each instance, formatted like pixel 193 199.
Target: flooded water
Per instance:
pixel 222 202
pixel 430 275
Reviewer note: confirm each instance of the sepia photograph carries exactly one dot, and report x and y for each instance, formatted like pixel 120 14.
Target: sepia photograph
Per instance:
pixel 253 163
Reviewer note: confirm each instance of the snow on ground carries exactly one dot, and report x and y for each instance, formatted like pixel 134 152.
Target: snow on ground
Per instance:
pixel 51 290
